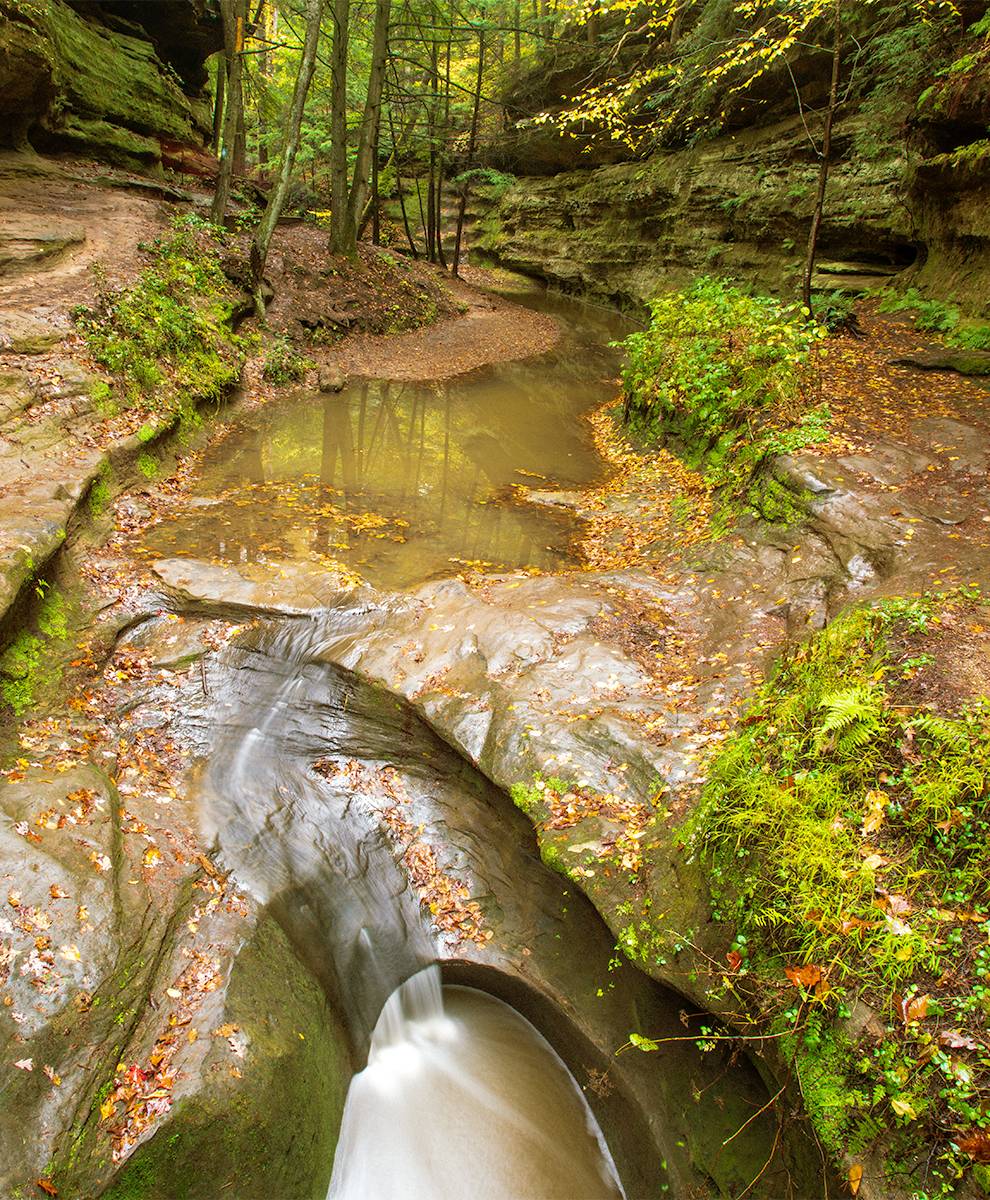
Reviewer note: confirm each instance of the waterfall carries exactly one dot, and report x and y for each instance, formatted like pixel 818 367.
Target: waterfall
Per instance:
pixel 463 1097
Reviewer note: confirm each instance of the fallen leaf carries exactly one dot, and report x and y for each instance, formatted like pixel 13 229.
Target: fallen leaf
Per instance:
pixel 804 977
pixel 855 1178
pixel 976 1145
pixel 914 1008
pixel 24 1064
pixel 904 1108
pixel 46 1186
pixel 957 1041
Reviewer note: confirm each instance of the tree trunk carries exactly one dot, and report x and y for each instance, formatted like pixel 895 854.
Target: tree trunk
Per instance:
pixel 290 144
pixel 368 135
pixel 233 13
pixel 218 105
pixel 833 103
pixel 472 142
pixel 338 128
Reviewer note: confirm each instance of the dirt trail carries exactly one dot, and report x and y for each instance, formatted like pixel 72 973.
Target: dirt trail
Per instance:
pixel 54 226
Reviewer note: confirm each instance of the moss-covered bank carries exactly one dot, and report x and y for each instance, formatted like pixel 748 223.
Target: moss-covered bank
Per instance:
pixel 844 832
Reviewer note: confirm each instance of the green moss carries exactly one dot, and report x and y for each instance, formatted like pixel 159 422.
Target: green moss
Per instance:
pixel 147 465
pixel 101 491
pixel 32 662
pixel 847 831
pixel 20 666
pixel 167 338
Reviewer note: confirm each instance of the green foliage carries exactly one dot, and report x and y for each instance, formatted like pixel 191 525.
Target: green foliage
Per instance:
pixel 283 362
pixel 728 377
pixel 834 309
pixel 167 338
pixel 491 183
pixel 931 316
pixel 849 830
pixel 936 316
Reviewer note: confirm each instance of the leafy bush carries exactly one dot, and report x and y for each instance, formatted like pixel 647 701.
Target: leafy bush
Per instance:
pixel 835 309
pixel 166 338
pixel 730 377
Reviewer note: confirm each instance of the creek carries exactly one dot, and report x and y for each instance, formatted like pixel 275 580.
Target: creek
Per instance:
pixel 482 996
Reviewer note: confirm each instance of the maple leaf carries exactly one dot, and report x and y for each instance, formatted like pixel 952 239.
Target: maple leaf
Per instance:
pixel 108 1108
pixel 152 857
pixel 24 1064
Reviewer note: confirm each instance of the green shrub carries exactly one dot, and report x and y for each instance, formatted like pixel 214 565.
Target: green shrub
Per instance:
pixel 729 377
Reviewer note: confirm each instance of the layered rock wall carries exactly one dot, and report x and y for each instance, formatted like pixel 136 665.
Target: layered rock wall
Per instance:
pixel 108 82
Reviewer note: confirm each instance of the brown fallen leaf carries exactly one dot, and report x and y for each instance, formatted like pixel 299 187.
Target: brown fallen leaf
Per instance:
pixel 976 1145
pixel 46 1186
pixel 914 1008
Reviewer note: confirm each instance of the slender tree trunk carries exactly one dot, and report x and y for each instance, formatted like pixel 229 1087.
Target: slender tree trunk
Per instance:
pixel 442 169
pixel 233 13
pixel 376 217
pixel 218 104
pixel 338 128
pixel 368 135
pixel 472 142
pixel 833 103
pixel 239 166
pixel 293 125
pixel 517 32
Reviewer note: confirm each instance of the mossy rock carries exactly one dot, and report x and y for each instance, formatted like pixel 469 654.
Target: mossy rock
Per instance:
pixel 272 1132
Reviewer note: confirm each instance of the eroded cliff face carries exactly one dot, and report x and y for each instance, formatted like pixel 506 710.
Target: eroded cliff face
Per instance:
pixel 108 81
pixel 907 198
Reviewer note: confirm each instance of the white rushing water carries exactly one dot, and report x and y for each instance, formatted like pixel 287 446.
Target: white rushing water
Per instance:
pixel 462 1099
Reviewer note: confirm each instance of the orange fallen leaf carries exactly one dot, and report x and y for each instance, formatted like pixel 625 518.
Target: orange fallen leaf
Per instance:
pixel 46 1186
pixel 804 977
pixel 855 1178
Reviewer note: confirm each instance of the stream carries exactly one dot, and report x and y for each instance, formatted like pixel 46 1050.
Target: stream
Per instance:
pixel 482 997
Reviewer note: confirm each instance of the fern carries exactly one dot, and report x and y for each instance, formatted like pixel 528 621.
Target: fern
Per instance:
pixel 854 716
pixel 951 734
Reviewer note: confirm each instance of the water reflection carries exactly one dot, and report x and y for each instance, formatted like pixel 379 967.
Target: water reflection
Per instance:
pixel 401 481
